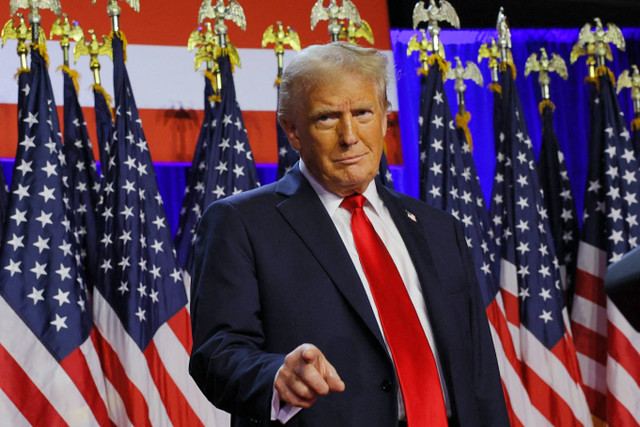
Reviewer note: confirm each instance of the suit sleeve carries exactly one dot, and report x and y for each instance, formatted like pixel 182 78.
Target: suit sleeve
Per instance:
pixel 487 384
pixel 227 362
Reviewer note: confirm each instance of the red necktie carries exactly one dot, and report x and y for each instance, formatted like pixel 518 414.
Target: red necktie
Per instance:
pixel 412 356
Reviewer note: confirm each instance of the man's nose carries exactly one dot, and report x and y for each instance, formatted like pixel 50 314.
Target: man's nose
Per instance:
pixel 348 128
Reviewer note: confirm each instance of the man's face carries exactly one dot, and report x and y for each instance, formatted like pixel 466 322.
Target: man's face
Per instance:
pixel 339 133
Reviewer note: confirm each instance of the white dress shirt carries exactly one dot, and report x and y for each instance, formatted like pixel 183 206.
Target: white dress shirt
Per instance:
pixel 382 222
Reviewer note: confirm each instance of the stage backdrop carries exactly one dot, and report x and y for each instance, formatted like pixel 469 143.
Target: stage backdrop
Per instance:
pixel 169 92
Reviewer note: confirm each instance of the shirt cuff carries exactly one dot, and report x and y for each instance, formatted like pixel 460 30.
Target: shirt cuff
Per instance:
pixel 281 413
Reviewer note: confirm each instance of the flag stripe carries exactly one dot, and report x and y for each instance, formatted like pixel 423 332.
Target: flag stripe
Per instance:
pixel 592 287
pixel 177 406
pixel 622 349
pixel 180 324
pixel 518 402
pixel 10 414
pixel 133 363
pixel 624 394
pixel 25 395
pixel 41 368
pixel 590 317
pixel 134 403
pixel 176 362
pixel 78 370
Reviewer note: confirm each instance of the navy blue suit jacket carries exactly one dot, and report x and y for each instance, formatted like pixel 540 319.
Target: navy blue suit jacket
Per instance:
pixel 271 272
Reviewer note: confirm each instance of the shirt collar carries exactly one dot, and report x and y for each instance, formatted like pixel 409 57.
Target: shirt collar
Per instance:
pixel 331 201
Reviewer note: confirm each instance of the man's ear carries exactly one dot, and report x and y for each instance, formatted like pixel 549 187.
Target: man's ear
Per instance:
pixel 291 132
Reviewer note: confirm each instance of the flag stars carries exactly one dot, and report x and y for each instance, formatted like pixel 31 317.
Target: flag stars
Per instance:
pixel 238 123
pixel 524 293
pixel 123 288
pixel 546 316
pixel 222 167
pixel 522 180
pixel 140 314
pixel 41 244
pixel 219 191
pixel 437 122
pixel 238 170
pixel 176 275
pixel 157 246
pixel 129 186
pixel 44 218
pixel 47 193
pixel 31 119
pixel 62 297
pixel 63 272
pixel 544 271
pixel 155 272
pixel 39 270
pixel 36 295
pixel 142 290
pixel 227 120
pixel 159 222
pixel 523 202
pixel 523 248
pixel 59 322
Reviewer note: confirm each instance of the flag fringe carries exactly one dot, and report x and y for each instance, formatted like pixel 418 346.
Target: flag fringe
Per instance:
pixel 73 75
pixel 107 98
pixel 495 88
pixel 444 65
pixel 212 78
pixel 42 48
pixel 462 122
pixel 511 66
pixel 544 104
pixel 21 71
pixel 122 37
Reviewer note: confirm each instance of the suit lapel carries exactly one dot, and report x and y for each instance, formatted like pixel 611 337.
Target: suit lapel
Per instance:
pixel 418 247
pixel 306 214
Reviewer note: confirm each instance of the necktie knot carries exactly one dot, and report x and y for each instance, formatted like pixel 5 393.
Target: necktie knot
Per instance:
pixel 353 202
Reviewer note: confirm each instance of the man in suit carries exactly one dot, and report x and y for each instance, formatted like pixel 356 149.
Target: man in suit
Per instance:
pixel 291 322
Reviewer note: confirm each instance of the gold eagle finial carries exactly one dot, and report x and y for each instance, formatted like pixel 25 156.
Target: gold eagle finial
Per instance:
pixel 93 48
pixel 352 32
pixel 461 73
pixel 66 30
pixel 593 42
pixel 333 13
pixel 432 15
pixel 544 66
pixel 280 37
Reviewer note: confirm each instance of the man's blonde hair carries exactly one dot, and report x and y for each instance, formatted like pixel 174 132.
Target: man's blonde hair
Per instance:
pixel 321 63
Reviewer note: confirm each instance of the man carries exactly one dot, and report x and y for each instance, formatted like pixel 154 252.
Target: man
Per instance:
pixel 297 320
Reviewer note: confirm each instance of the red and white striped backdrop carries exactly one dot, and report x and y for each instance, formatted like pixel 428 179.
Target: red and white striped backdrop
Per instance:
pixel 168 91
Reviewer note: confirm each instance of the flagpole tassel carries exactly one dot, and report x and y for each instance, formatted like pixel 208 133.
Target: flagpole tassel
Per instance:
pixel 20 71
pixel 508 64
pixel 603 70
pixel 462 122
pixel 73 74
pixel 495 88
pixel 42 48
pixel 544 104
pixel 444 65
pixel 107 98
pixel 122 37
pixel 635 124
pixel 594 80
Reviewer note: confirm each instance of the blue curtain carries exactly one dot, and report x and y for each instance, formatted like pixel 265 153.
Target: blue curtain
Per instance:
pixel 570 97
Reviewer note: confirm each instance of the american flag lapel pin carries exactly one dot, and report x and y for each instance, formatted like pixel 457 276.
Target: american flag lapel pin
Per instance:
pixel 411 216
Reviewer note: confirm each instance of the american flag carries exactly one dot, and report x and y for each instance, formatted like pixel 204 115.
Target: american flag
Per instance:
pixel 635 128
pixel 287 156
pixel 83 176
pixel 104 121
pixel 139 302
pixel 530 278
pixel 51 372
pixel 223 162
pixel 450 182
pixel 608 347
pixel 384 173
pixel 559 202
pixel 4 199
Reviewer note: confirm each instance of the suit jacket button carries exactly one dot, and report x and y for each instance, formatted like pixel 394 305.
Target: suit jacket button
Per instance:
pixel 386 385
